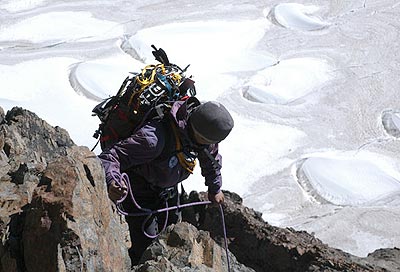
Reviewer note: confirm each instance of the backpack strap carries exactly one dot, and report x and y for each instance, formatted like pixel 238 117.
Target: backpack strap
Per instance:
pixel 187 163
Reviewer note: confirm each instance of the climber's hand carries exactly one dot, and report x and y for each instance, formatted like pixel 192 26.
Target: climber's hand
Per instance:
pixel 116 191
pixel 218 198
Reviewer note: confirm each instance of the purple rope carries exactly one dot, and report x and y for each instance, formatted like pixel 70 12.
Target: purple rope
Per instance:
pixel 124 179
pixel 225 236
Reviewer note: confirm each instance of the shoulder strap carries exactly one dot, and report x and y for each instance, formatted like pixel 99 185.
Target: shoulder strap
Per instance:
pixel 192 103
pixel 186 163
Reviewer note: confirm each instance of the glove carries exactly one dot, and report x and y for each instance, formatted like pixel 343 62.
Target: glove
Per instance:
pixel 116 191
pixel 218 198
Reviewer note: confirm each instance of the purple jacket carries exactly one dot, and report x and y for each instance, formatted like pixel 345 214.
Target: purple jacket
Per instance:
pixel 151 152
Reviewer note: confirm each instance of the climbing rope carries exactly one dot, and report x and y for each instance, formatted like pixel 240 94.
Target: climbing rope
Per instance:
pixel 124 180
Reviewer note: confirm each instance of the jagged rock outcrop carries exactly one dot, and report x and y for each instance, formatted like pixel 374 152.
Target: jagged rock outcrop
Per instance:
pixel 388 258
pixel 55 216
pixel 253 242
pixel 182 247
pixel 263 247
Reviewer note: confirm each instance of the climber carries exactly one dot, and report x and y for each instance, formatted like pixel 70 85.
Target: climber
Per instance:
pixel 161 154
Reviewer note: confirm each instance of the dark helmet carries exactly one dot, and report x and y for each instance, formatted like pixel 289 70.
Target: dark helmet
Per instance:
pixel 210 122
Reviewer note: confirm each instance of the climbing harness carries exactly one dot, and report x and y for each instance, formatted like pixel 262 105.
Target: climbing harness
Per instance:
pixel 124 180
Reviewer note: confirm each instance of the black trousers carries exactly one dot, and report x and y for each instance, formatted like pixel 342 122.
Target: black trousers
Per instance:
pixel 147 196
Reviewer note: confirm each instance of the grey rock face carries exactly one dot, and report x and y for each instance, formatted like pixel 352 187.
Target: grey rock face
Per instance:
pixel 387 258
pixel 184 248
pixel 55 213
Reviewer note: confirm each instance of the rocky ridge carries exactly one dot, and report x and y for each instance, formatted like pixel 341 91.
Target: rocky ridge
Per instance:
pixel 55 216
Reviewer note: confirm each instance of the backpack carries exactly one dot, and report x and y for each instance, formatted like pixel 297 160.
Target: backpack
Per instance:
pixel 141 97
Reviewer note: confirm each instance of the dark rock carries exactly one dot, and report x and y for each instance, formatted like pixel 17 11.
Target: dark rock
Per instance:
pixel 30 140
pixel 388 258
pixel 182 247
pixel 263 247
pixel 1 115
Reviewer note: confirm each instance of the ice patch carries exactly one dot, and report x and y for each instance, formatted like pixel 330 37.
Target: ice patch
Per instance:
pixel 391 122
pixel 101 79
pixel 213 45
pixel 42 86
pixel 396 120
pixel 296 16
pixel 364 242
pixel 212 49
pixel 346 180
pixel 274 219
pixel 21 5
pixel 60 27
pixel 288 80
